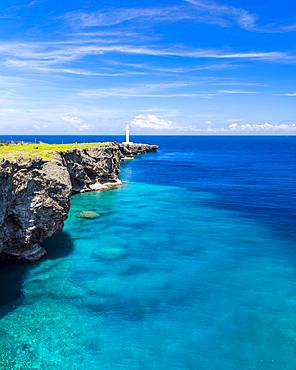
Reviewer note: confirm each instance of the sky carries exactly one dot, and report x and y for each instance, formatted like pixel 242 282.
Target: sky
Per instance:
pixel 188 67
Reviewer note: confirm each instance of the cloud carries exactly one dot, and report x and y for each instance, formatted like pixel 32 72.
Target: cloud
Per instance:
pixel 7 110
pixel 151 121
pixel 194 53
pixel 287 28
pixel 199 11
pixel 152 90
pixel 290 94
pixel 263 128
pixel 236 128
pixel 161 90
pixel 13 11
pixel 76 122
pixel 236 92
pixel 41 124
pixel 237 83
pixel 60 56
pixel 145 68
pixel 40 66
pixel 188 10
pixel 242 17
pixel 111 17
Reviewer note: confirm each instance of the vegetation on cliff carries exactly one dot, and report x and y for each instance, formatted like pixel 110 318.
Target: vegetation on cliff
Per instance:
pixel 45 151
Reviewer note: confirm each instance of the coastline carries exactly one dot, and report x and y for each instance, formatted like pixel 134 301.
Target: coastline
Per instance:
pixel 201 225
pixel 35 193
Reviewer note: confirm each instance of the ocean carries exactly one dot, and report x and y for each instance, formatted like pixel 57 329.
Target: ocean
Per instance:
pixel 190 265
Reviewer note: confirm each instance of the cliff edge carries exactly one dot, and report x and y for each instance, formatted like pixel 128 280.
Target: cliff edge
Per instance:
pixel 35 192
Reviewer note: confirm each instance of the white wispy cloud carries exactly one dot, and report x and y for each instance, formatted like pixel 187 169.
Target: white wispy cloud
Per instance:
pixel 289 94
pixel 41 66
pixel 263 128
pixel 237 83
pixel 236 128
pixel 242 17
pixel 201 11
pixel 175 70
pixel 187 53
pixel 152 90
pixel 7 110
pixel 160 90
pixel 46 57
pixel 111 17
pixel 13 11
pixel 236 92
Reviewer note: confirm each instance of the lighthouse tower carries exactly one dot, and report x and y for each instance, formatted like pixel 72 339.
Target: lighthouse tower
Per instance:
pixel 127 135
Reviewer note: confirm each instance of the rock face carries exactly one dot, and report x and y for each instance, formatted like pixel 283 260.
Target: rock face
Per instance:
pixel 35 193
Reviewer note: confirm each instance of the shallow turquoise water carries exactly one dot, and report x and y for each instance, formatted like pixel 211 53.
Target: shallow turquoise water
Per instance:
pixel 165 278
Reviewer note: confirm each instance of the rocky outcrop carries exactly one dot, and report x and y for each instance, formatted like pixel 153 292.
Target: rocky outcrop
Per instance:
pixel 35 193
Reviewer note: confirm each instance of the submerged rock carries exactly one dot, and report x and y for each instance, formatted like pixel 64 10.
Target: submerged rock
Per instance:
pixel 88 214
pixel 30 254
pixel 110 253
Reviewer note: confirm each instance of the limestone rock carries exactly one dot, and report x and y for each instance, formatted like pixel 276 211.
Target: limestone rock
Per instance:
pixel 35 193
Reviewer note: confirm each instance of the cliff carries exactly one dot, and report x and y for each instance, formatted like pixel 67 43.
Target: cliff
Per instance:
pixel 35 193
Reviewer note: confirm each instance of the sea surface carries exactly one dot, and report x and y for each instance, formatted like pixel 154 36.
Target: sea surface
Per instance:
pixel 190 265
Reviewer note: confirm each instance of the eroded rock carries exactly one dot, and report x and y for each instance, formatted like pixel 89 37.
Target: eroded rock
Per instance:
pixel 35 193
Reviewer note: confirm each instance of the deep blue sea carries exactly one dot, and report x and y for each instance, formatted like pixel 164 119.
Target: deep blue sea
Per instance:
pixel 190 265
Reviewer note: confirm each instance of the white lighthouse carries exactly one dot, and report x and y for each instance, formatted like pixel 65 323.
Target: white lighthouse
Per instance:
pixel 127 135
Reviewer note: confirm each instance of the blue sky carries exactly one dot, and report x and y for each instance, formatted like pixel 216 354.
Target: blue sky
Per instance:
pixel 167 67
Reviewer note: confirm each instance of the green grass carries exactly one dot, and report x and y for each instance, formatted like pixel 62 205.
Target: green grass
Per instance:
pixel 45 151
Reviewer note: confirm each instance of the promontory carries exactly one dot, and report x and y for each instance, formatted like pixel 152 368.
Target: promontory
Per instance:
pixel 37 182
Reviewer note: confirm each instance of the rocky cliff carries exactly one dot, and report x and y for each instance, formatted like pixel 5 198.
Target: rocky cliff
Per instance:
pixel 35 193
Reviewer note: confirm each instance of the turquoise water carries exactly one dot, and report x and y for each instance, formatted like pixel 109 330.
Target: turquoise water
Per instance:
pixel 169 276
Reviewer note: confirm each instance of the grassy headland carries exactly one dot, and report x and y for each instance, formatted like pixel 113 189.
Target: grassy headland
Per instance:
pixel 45 151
